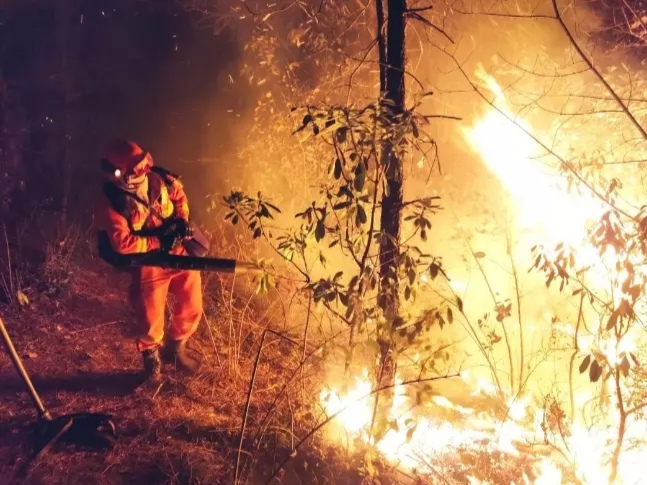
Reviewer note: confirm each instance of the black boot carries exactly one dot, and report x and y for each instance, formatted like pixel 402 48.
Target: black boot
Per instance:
pixel 152 365
pixel 176 354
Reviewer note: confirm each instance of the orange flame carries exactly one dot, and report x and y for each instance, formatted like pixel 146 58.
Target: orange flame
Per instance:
pixel 544 204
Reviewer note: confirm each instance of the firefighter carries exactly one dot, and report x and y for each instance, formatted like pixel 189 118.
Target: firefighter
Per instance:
pixel 143 208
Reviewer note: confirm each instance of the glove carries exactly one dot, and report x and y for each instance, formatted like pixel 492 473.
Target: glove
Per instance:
pixel 168 240
pixel 173 232
pixel 182 228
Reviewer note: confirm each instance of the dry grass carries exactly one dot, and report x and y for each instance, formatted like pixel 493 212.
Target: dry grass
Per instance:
pixel 78 347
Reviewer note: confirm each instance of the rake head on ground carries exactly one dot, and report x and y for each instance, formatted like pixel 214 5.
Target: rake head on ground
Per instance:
pixel 89 431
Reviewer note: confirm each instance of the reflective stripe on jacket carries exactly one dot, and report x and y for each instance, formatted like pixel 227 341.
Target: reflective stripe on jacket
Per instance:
pixel 119 215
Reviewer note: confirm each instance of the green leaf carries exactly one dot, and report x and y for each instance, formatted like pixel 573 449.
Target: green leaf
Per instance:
pixel 459 302
pixel 624 366
pixel 595 371
pixel 341 205
pixel 585 364
pixel 273 207
pixel 411 274
pixel 360 177
pixel 337 169
pixel 373 282
pixel 320 230
pixel 414 129
pixel 612 320
pixel 361 215
pixel 433 270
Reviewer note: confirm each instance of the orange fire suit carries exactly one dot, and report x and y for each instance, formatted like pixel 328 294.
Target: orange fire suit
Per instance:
pixel 150 285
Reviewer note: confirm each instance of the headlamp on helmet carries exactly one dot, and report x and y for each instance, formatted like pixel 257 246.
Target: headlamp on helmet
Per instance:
pixel 126 163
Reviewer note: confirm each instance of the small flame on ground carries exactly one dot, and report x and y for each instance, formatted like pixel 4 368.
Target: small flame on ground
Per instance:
pixel 413 439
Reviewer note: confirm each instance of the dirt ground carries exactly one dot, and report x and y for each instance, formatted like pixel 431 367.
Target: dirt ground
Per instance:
pixel 78 346
pixel 79 350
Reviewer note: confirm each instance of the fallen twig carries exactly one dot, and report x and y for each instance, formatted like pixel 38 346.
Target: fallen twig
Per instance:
pixel 249 395
pixel 247 403
pixel 95 326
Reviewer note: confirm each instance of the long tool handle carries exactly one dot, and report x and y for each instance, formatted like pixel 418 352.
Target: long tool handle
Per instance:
pixel 42 412
pixel 172 261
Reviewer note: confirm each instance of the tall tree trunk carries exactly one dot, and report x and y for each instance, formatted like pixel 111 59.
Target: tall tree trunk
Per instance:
pixel 394 93
pixel 66 33
pixel 381 43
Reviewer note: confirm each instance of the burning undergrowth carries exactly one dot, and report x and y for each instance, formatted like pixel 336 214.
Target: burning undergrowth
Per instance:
pixel 476 438
pixel 551 393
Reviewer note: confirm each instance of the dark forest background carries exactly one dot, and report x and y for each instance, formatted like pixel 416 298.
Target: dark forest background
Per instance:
pixel 76 73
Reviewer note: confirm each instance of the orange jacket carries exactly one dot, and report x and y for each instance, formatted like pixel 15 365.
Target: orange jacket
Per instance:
pixel 119 216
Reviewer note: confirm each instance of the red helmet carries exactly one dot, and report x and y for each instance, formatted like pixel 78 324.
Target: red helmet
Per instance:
pixel 123 159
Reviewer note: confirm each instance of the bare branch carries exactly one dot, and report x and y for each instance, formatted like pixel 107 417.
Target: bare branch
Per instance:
pixel 419 9
pixel 565 163
pixel 272 11
pixel 596 71
pixel 425 21
pixel 509 15
pixel 555 74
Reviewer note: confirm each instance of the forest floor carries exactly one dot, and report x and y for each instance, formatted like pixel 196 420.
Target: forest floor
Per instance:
pixel 78 347
pixel 74 332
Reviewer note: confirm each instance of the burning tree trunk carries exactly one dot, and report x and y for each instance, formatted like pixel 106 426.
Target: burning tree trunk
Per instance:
pixel 393 86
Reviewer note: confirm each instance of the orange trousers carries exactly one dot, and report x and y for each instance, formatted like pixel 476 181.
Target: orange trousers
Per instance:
pixel 149 289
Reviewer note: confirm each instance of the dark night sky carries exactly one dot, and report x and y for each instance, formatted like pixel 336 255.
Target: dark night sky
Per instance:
pixel 139 69
pixel 136 69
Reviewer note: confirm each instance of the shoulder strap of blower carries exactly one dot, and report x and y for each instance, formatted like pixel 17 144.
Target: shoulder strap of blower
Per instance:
pixel 118 198
pixel 197 246
pixel 167 176
pixel 115 193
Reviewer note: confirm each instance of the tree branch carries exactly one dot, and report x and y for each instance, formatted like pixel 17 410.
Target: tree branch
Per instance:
pixel 420 18
pixel 585 58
